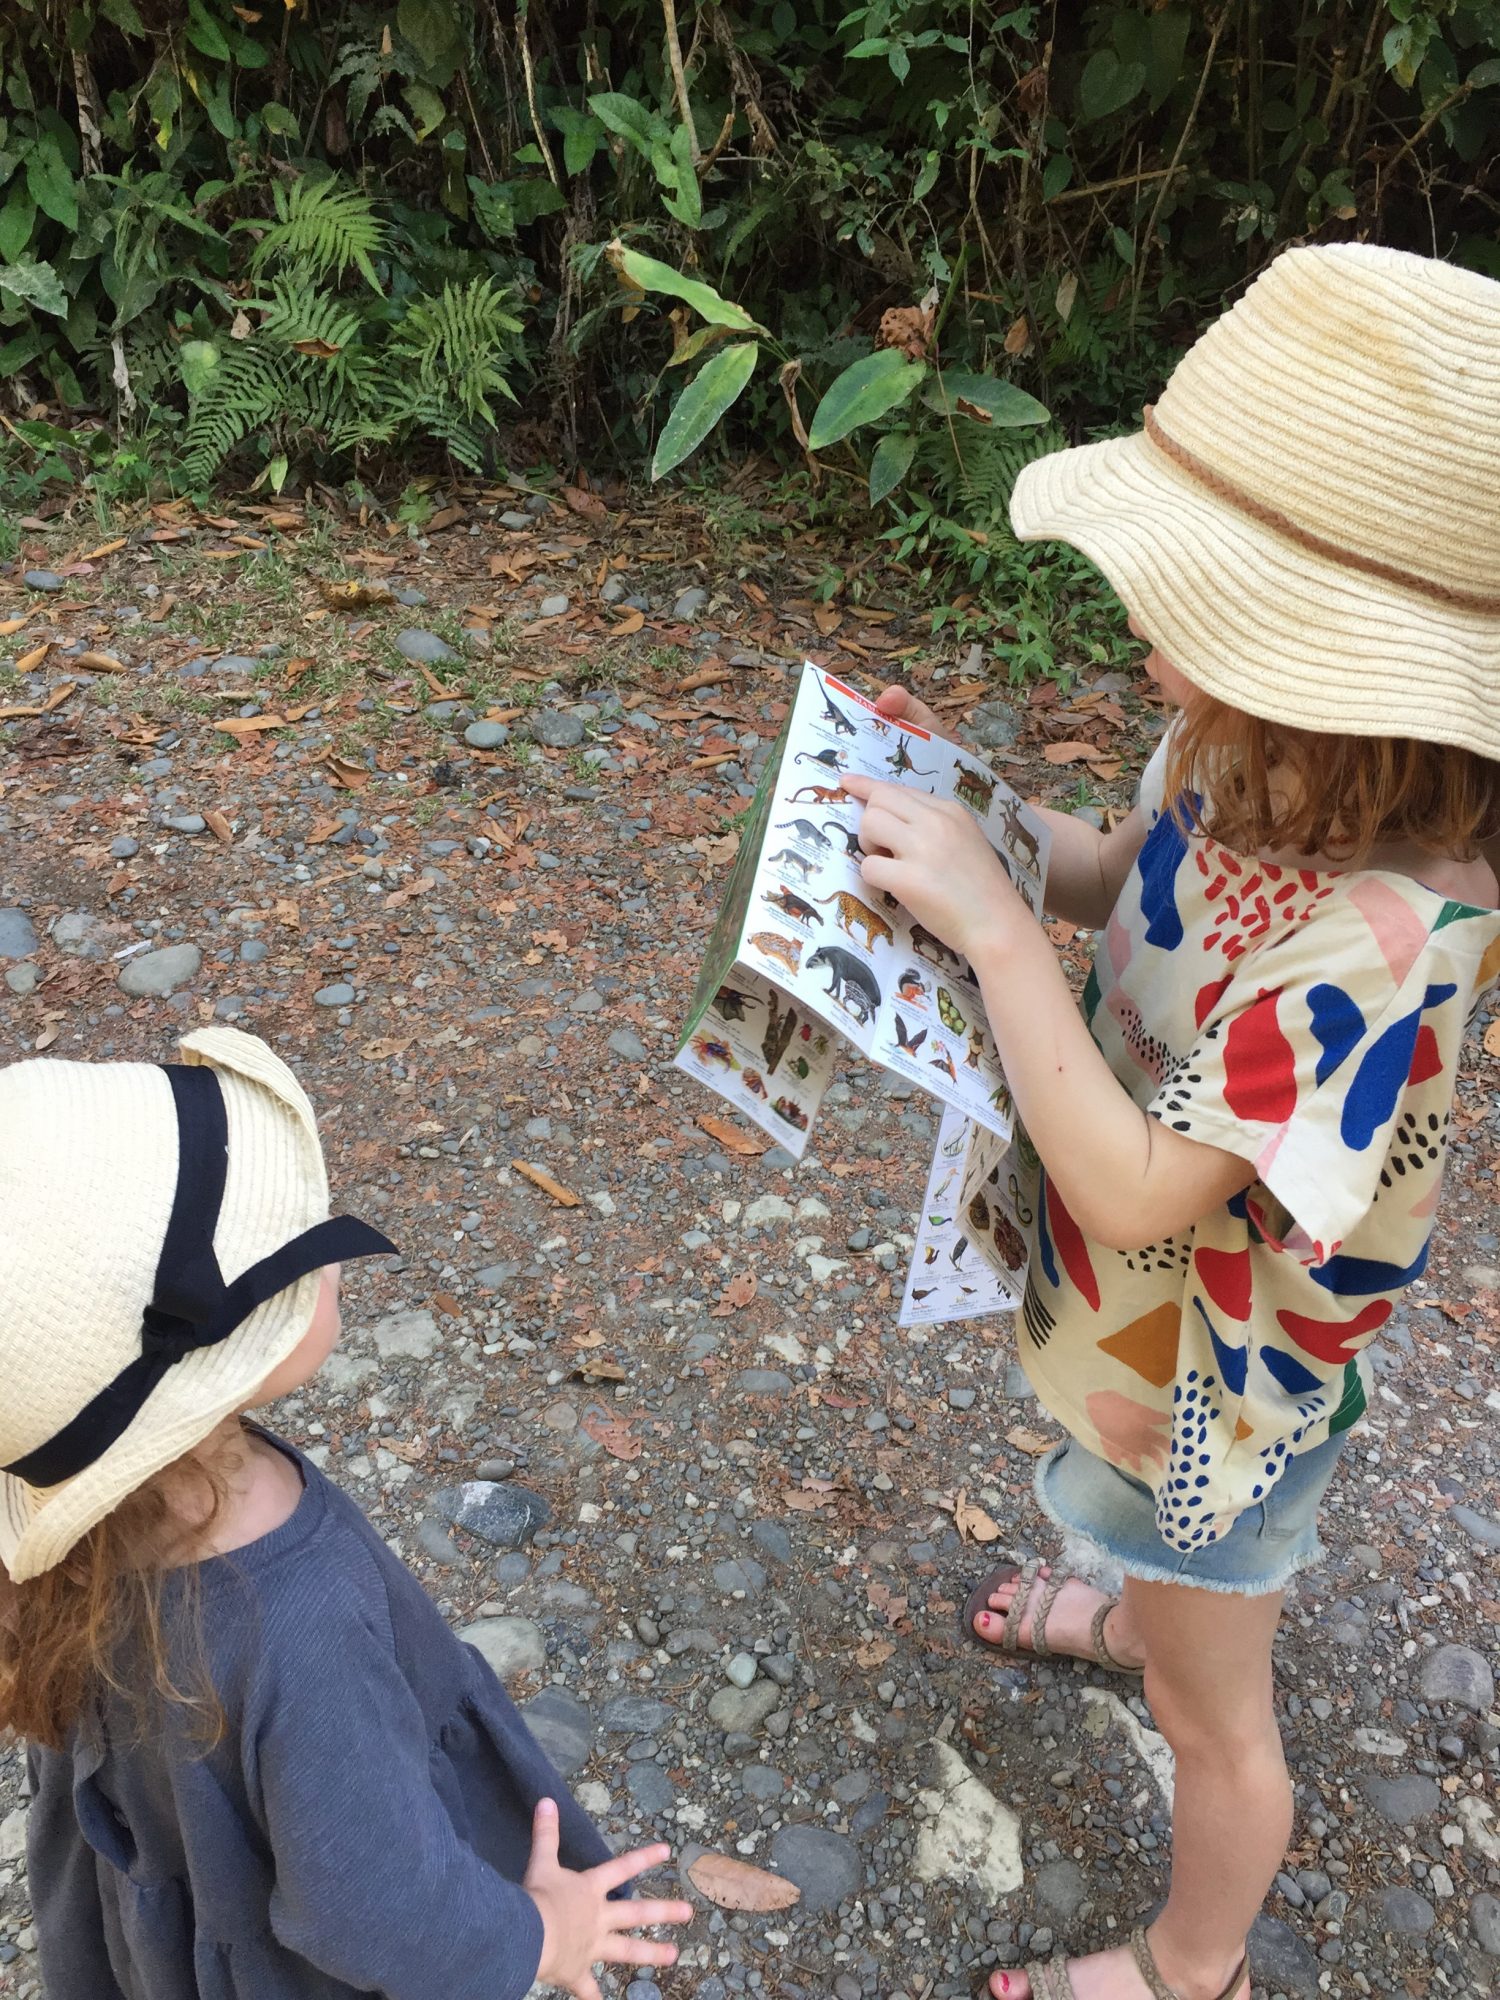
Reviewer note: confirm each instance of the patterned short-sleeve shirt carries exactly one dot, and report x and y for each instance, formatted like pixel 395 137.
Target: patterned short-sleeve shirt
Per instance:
pixel 1309 1021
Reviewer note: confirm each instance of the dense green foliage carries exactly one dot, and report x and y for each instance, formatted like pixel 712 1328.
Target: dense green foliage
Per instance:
pixel 295 237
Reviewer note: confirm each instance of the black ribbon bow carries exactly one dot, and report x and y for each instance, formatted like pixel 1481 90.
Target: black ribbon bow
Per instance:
pixel 191 1306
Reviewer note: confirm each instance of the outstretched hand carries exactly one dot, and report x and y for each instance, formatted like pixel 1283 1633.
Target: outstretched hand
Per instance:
pixel 931 856
pixel 581 1926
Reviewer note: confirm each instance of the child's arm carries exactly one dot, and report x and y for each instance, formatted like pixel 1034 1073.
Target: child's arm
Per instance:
pixel 1086 869
pixel 1125 1178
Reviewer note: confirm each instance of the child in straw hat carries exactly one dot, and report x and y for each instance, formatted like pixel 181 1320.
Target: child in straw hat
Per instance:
pixel 1243 1135
pixel 262 1766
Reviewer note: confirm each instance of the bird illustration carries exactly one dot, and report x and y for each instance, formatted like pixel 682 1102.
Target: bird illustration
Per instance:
pixel 906 1040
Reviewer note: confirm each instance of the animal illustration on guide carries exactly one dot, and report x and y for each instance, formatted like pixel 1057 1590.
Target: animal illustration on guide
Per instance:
pixel 976 1048
pixel 708 1050
pixel 786 951
pixel 754 1082
pixel 789 859
pixel 913 988
pixel 1009 1242
pixel 948 1013
pixel 789 1109
pixel 850 838
pixel 906 1041
pixel 792 906
pixel 851 984
pixel 823 795
pixel 900 761
pixel 956 1254
pixel 974 788
pixel 940 1059
pixel 732 1005
pixel 831 760
pixel 1019 838
pixel 853 914
pixel 932 948
pixel 841 723
pixel 930 1256
pixel 780 1028
pixel 804 830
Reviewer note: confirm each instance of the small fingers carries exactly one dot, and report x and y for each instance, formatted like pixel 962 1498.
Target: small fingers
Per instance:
pixel 638 1951
pixel 625 1867
pixel 634 1916
pixel 544 1836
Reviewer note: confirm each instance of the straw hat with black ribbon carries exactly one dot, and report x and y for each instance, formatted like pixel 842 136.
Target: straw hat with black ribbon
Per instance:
pixel 162 1228
pixel 1308 526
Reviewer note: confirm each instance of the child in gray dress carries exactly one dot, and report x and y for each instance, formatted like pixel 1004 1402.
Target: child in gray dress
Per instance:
pixel 262 1766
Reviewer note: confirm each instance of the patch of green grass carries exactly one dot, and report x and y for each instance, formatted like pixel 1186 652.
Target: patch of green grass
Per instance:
pixel 666 659
pixel 10 538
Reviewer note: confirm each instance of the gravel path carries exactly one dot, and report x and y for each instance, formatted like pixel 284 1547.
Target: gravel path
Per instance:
pixel 703 1525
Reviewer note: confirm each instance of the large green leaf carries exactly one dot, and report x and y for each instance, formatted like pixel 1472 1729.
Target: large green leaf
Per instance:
pixel 891 463
pixel 16 219
pixel 197 360
pixel 702 403
pixel 985 399
pixel 583 135
pixel 1107 84
pixel 34 284
pixel 866 390
pixel 629 119
pixel 651 275
pixel 279 121
pixel 431 27
pixel 52 187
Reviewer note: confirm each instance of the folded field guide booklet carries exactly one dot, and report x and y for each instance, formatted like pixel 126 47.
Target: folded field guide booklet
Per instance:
pixel 804 956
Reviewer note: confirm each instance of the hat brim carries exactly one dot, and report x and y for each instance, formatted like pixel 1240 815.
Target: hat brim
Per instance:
pixel 271 1119
pixel 1255 619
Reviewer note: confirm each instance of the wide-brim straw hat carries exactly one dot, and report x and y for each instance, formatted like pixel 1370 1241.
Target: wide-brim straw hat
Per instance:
pixel 89 1156
pixel 1309 525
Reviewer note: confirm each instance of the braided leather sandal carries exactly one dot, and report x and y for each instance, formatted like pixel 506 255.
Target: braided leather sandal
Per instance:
pixel 1051 1980
pixel 1025 1576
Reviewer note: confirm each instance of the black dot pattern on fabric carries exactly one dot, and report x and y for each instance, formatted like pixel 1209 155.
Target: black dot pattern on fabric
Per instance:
pixel 1419 1140
pixel 1182 1497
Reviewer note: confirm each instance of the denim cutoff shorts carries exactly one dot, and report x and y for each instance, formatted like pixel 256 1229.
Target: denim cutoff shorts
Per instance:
pixel 1267 1545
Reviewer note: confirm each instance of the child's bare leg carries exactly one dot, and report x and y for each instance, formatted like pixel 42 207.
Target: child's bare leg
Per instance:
pixel 1208 1680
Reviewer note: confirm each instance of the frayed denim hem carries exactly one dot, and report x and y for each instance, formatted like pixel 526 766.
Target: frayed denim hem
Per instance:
pixel 1146 1571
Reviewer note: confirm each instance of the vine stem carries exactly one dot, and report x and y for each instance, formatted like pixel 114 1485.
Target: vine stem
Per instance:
pixel 679 75
pixel 1176 161
pixel 536 117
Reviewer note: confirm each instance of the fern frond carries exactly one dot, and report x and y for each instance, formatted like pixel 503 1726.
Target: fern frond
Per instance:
pixel 970 468
pixel 325 227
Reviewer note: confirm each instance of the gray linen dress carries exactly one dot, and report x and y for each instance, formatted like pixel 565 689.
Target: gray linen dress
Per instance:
pixel 361 1828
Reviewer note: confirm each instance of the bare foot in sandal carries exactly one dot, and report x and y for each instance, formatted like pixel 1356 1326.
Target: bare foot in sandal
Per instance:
pixel 1058 1614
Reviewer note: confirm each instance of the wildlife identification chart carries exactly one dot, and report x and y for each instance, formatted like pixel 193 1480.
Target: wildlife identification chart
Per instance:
pixel 971 1250
pixel 804 953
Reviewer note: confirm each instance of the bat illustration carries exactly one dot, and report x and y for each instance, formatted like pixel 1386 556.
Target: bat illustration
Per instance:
pixel 907 1041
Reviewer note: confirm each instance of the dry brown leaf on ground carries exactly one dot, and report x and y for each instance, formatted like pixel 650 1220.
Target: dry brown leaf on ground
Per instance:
pixel 29 662
pixel 408 1450
pixel 588 506
pixel 350 594
pixel 1072 753
pixel 738 1885
pixel 874 1652
pixel 598 1368
pixel 1492 1039
pixel 1032 1441
pixel 612 1434
pixel 250 725
pixel 104 549
pixel 890 1602
pixel 344 772
pixel 748 1145
pixel 219 826
pixel 404 895
pixel 9 625
pixel 737 1293
pixel 447 1305
pixel 383 1047
pixel 972 1522
pixel 539 1177
pixel 321 830
pixel 447 517
pixel 631 619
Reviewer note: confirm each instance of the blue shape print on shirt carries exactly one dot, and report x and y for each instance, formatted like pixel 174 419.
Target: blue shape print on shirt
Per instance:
pixel 1337 1023
pixel 1378 1082
pixel 1289 1372
pixel 1232 1360
pixel 1160 858
pixel 1357 1277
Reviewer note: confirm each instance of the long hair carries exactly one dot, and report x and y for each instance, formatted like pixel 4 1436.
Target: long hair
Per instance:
pixel 119 1615
pixel 1254 785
